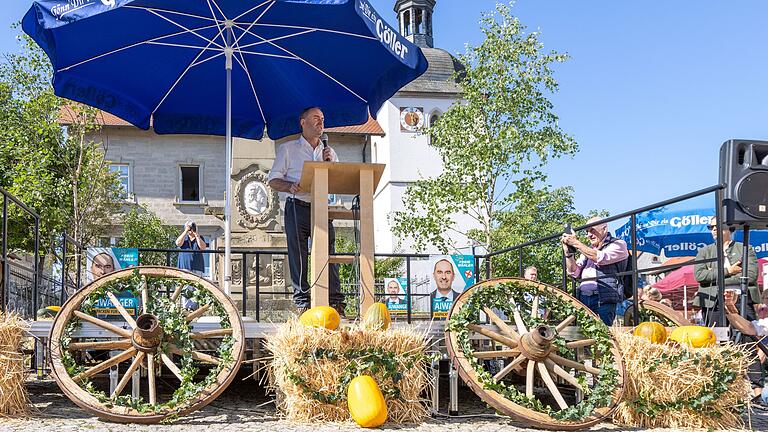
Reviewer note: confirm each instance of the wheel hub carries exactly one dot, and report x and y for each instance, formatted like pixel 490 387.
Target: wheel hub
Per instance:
pixel 537 343
pixel 148 334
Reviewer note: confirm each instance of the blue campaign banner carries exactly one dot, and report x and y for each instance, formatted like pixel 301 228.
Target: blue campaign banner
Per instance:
pixel 126 257
pixel 445 285
pixel 104 308
pixel 396 298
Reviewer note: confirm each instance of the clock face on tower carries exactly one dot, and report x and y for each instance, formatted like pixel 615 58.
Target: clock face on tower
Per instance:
pixel 411 119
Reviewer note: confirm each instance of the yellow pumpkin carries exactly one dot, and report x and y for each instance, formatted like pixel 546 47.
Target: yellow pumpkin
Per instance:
pixel 694 336
pixel 321 316
pixel 377 317
pixel 652 331
pixel 366 402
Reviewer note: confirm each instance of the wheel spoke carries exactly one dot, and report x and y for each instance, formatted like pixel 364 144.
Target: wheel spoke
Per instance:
pixel 509 331
pixel 551 385
pixel 125 355
pixel 535 307
pixel 128 374
pixel 144 295
pixel 172 366
pixel 529 378
pixel 562 373
pixel 126 316
pixel 198 313
pixel 513 365
pixel 495 354
pixel 580 343
pixel 492 335
pixel 151 378
pixel 121 344
pixel 197 355
pixel 176 293
pixel 565 323
pixel 574 364
pixel 103 324
pixel 211 333
pixel 518 319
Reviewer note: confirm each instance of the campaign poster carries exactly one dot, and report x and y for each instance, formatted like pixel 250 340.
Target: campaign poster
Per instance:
pixel 395 297
pixel 102 261
pixel 451 275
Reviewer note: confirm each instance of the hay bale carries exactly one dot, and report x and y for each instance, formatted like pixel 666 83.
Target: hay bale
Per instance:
pixel 311 367
pixel 674 387
pixel 14 400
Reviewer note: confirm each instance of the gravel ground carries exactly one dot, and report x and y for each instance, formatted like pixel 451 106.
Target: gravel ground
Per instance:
pixel 245 407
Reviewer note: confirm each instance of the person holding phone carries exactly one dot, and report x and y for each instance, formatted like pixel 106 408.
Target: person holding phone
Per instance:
pixel 706 274
pixel 190 240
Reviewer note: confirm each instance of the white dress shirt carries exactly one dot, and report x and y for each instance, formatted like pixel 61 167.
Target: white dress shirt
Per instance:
pixel 289 161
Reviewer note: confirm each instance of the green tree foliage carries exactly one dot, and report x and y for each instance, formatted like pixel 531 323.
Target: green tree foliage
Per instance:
pixel 540 213
pixel 144 229
pixel 494 142
pixel 59 173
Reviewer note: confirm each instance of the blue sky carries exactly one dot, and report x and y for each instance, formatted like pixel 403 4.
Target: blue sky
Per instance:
pixel 651 92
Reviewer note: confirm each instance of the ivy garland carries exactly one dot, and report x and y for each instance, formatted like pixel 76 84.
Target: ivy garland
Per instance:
pixel 387 366
pixel 722 377
pixel 498 296
pixel 176 331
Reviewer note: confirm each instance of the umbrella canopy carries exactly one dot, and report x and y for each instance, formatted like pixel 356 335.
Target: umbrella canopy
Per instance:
pixel 163 61
pixel 680 233
pixel 224 67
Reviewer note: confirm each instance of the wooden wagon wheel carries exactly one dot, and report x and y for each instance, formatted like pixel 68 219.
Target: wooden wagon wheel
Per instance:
pixel 160 343
pixel 655 311
pixel 545 342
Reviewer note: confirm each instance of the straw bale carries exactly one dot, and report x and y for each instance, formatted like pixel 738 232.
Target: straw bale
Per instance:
pixel 14 400
pixel 652 379
pixel 294 341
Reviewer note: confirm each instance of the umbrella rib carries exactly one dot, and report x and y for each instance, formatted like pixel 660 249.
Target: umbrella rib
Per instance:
pixel 267 55
pixel 218 25
pixel 309 28
pixel 313 67
pixel 182 27
pixel 181 76
pixel 250 10
pixel 148 41
pixel 151 9
pixel 244 65
pixel 250 45
pixel 252 22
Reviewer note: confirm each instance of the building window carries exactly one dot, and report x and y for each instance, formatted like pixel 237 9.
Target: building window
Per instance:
pixel 190 183
pixel 419 22
pixel 433 118
pixel 406 23
pixel 123 172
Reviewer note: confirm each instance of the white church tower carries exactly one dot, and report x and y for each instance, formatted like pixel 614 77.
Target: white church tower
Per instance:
pixel 420 103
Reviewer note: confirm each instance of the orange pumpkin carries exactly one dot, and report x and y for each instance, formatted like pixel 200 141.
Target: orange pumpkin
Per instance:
pixel 652 331
pixel 321 316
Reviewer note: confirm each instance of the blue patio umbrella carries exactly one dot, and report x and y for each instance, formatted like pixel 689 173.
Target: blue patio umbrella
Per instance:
pixel 681 232
pixel 224 67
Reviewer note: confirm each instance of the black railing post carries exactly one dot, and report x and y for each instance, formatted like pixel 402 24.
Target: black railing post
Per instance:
pixel 63 267
pixel 167 258
pixel 520 262
pixel 635 304
pixel 408 298
pixel 78 278
pixel 6 268
pixel 257 299
pixel 720 261
pixel 244 266
pixel 487 267
pixel 36 268
pixel 565 273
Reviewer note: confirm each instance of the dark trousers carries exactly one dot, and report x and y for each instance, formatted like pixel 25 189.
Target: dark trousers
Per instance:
pixel 606 311
pixel 298 230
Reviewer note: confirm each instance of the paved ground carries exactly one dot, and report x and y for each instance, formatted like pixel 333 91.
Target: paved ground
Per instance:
pixel 245 407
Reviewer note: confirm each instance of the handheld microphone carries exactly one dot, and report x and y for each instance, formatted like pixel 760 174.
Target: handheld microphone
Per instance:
pixel 324 140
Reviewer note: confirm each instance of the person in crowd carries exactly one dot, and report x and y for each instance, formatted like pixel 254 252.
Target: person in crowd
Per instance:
pixel 102 264
pixel 706 274
pixel 600 290
pixel 190 240
pixel 761 309
pixel 531 273
pixel 652 294
pixel 284 178
pixel 756 328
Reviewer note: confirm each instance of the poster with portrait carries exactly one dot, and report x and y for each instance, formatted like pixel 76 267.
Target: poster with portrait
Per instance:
pixel 395 296
pixel 102 261
pixel 451 275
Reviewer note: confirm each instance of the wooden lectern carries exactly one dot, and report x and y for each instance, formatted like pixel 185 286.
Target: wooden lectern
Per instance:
pixel 323 178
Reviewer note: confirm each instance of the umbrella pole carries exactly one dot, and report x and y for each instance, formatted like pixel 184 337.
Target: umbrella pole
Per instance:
pixel 227 174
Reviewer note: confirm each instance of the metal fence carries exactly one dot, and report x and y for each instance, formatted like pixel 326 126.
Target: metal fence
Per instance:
pixel 19 281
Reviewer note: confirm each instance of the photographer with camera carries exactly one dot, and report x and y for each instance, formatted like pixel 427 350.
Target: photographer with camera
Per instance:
pixel 191 240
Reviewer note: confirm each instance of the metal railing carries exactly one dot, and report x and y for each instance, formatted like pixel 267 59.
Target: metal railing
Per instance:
pixel 15 295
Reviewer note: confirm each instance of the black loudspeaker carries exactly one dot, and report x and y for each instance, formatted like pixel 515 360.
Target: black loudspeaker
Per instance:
pixel 744 172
